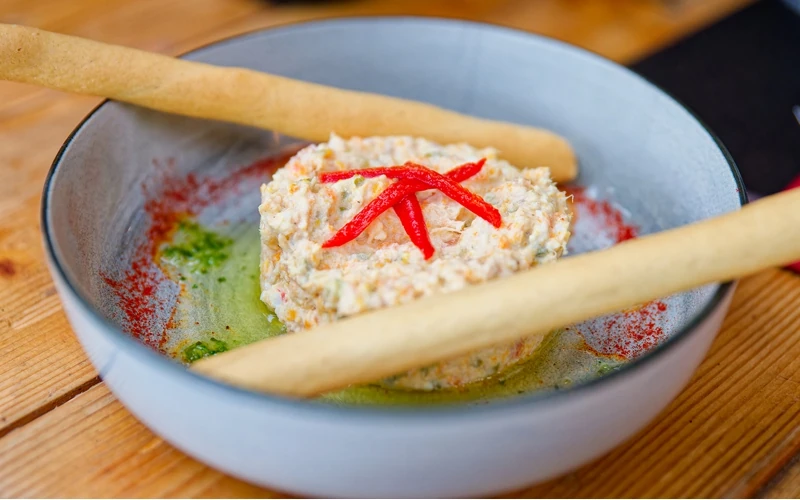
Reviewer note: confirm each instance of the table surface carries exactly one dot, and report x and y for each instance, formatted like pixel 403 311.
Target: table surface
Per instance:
pixel 735 431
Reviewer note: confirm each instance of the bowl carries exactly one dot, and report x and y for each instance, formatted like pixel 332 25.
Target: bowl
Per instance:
pixel 103 208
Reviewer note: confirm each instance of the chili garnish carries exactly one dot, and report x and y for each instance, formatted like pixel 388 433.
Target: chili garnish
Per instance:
pixel 457 174
pixel 432 179
pixel 386 200
pixel 402 197
pixel 409 211
pixel 454 191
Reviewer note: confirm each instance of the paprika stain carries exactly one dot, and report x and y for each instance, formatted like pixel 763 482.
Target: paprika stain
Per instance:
pixel 171 199
pixel 598 223
pixel 630 333
pixel 603 213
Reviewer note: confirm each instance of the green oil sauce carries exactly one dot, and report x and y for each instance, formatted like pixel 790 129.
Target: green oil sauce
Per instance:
pixel 558 363
pixel 219 293
pixel 219 308
pixel 195 249
pixel 200 349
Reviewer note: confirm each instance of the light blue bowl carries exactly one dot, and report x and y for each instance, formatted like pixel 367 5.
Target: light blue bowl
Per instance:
pixel 632 138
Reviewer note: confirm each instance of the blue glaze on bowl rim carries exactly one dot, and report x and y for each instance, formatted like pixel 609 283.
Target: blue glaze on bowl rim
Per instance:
pixel 452 410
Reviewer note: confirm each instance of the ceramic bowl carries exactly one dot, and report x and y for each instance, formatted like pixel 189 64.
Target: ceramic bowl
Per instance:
pixel 633 141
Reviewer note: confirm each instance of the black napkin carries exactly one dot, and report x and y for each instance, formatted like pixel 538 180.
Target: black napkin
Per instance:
pixel 741 76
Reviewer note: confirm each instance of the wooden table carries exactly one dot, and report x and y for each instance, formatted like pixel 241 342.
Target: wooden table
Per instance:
pixel 735 431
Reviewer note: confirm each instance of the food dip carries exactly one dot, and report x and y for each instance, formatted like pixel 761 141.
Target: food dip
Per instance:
pixel 306 284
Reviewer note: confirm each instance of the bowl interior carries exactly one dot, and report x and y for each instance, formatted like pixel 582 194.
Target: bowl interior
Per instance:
pixel 636 145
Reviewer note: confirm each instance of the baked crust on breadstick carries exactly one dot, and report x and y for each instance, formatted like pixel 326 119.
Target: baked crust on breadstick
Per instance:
pixel 292 107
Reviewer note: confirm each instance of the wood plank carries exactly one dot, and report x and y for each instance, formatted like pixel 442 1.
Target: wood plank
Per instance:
pixel 92 447
pixel 124 22
pixel 722 437
pixel 42 362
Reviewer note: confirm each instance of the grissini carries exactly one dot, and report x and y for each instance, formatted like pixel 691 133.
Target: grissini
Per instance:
pixel 385 342
pixel 292 107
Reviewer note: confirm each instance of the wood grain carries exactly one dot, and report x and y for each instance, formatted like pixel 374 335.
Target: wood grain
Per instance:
pixel 121 21
pixel 41 361
pixel 92 447
pixel 724 436
pixel 786 484
pixel 732 433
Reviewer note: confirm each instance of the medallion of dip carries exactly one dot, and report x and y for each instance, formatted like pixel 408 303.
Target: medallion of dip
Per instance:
pixel 307 284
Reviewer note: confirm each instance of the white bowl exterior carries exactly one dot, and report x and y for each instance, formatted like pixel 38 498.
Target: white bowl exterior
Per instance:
pixel 320 453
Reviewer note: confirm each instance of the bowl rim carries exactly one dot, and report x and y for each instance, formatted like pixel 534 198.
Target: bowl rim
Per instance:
pixel 448 410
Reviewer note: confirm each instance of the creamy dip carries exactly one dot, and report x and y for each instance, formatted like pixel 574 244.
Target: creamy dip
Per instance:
pixel 306 284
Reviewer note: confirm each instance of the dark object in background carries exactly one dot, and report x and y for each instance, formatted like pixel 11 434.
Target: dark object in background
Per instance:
pixel 742 77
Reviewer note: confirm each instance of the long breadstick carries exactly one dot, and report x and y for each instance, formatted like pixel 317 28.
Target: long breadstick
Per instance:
pixel 295 108
pixel 382 343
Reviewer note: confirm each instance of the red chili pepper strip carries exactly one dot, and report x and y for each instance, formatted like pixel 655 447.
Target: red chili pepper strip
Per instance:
pixel 456 192
pixel 458 174
pixel 410 213
pixel 386 200
pixel 431 178
pixel 363 172
pixel 465 171
pixel 392 195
